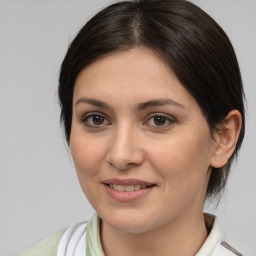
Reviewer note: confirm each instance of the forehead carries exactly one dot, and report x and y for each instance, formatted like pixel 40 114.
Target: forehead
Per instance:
pixel 137 74
pixel 134 61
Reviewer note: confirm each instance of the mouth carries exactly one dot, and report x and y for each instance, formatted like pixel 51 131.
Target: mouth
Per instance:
pixel 129 188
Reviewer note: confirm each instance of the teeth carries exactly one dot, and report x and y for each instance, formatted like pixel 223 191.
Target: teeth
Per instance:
pixel 127 188
pixel 120 188
pixel 137 187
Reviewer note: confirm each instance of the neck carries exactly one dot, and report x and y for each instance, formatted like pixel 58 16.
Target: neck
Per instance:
pixel 183 237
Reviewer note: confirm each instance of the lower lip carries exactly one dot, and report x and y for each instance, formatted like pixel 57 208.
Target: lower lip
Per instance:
pixel 127 196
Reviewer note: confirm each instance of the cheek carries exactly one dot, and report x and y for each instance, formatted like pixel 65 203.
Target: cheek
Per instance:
pixel 182 161
pixel 87 155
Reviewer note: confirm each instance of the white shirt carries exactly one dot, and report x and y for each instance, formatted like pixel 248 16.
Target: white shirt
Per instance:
pixel 83 239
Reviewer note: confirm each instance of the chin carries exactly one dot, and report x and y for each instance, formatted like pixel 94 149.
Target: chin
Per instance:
pixel 129 227
pixel 128 222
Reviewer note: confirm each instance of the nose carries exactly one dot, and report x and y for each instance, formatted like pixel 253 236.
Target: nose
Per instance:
pixel 125 151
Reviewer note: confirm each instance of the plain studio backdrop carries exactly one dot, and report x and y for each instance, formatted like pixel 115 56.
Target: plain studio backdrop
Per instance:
pixel 39 190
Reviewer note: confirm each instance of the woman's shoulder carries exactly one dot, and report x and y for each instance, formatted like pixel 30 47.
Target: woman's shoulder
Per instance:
pixel 47 246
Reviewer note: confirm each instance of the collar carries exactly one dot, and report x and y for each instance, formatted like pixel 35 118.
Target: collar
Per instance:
pixel 93 244
pixel 214 237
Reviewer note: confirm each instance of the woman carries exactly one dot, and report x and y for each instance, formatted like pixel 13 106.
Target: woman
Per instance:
pixel 152 106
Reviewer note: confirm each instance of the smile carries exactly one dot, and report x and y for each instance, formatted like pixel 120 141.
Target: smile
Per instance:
pixel 127 190
pixel 123 188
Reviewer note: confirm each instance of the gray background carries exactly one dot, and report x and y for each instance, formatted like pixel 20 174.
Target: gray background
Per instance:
pixel 39 191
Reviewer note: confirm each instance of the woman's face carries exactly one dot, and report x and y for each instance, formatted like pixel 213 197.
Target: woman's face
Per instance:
pixel 140 143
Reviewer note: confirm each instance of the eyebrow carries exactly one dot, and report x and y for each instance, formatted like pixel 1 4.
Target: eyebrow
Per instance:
pixel 158 102
pixel 93 102
pixel 139 107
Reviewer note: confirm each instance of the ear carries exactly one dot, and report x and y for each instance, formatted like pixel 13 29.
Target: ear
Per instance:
pixel 226 138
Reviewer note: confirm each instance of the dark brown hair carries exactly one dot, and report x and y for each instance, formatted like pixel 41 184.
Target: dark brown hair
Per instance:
pixel 194 46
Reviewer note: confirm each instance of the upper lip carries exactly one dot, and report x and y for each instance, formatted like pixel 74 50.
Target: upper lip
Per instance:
pixel 127 182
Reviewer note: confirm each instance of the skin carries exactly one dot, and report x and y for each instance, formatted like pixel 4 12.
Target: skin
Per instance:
pixel 176 156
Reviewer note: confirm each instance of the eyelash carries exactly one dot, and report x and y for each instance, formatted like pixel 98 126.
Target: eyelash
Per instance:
pixel 86 117
pixel 170 121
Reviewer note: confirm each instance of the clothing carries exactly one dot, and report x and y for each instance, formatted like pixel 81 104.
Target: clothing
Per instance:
pixel 46 247
pixel 83 239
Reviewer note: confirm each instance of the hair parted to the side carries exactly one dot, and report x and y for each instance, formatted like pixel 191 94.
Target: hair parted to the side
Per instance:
pixel 194 46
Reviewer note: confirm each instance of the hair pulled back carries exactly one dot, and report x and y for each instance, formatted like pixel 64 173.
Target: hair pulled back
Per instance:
pixel 192 44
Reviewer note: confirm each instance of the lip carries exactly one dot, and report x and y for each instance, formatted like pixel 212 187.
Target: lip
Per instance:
pixel 127 196
pixel 127 182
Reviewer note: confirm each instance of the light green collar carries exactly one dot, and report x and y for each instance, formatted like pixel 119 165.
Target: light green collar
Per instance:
pixel 93 244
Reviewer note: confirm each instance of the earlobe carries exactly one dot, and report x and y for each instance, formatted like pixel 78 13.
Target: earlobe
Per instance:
pixel 226 139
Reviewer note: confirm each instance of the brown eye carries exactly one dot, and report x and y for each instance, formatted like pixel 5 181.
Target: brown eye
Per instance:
pixel 159 120
pixel 95 120
pixel 98 120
